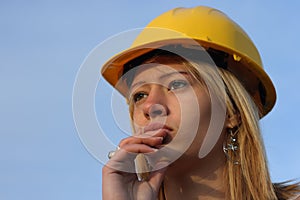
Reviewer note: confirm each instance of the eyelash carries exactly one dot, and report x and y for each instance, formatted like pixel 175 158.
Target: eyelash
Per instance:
pixel 173 85
pixel 138 96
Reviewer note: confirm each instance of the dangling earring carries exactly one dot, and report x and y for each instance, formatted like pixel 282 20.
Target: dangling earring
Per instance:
pixel 232 146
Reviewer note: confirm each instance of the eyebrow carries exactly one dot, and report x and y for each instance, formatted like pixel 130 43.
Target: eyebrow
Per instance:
pixel 160 78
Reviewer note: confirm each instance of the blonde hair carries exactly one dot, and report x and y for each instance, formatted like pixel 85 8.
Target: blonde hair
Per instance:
pixel 250 179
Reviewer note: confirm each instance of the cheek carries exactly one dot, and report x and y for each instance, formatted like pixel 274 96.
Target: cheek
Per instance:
pixel 136 119
pixel 137 116
pixel 205 108
pixel 205 113
pixel 175 107
pixel 187 110
pixel 195 112
pixel 204 120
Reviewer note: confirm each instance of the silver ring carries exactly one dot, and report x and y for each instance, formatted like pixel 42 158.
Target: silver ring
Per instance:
pixel 112 153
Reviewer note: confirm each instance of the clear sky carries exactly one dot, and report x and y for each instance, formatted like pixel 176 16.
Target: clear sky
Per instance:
pixel 44 43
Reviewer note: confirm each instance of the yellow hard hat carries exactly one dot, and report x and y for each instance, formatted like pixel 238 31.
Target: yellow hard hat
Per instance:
pixel 211 29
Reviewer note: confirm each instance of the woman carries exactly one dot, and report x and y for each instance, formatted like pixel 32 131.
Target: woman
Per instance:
pixel 196 90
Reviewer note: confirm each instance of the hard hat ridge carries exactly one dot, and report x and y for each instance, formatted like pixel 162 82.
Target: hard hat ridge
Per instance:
pixel 212 30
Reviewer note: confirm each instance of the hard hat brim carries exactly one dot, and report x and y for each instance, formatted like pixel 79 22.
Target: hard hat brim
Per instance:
pixel 253 77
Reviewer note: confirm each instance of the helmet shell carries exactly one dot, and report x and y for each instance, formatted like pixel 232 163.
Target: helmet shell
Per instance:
pixel 211 29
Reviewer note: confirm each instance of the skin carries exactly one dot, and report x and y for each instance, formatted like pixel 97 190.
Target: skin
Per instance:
pixel 162 95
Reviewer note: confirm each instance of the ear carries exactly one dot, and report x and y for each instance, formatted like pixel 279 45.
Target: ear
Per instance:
pixel 233 120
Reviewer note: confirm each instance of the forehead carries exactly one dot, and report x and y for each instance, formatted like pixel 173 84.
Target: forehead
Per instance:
pixel 155 70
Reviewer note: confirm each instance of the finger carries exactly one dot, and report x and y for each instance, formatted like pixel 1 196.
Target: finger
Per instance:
pixel 123 159
pixel 138 148
pixel 150 141
pixel 155 133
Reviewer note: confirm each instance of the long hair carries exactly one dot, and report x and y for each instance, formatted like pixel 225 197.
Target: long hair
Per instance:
pixel 250 178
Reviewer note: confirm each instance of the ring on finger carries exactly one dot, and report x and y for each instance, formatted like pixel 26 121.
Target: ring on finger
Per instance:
pixel 112 153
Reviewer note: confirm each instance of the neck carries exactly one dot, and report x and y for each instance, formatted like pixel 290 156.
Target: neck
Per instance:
pixel 194 178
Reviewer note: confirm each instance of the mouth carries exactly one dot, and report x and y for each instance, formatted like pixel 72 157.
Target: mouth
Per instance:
pixel 159 129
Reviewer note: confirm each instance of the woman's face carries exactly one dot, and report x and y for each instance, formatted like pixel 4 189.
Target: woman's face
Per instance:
pixel 168 99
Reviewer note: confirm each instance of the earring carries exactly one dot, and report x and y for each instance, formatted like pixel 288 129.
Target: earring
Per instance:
pixel 232 146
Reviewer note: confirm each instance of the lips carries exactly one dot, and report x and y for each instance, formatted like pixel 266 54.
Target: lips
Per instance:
pixel 155 128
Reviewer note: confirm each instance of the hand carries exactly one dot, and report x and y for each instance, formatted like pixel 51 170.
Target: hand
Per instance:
pixel 119 180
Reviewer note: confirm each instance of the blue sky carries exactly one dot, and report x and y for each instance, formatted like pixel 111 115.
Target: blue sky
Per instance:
pixel 44 43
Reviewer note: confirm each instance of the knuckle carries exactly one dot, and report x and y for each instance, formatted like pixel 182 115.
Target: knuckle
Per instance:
pixel 124 141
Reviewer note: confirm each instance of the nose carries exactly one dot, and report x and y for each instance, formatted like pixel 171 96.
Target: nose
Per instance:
pixel 156 104
pixel 156 110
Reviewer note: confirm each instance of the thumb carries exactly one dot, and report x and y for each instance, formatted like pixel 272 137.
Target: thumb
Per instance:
pixel 156 177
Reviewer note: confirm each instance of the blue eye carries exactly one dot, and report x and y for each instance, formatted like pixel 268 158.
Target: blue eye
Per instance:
pixel 139 96
pixel 176 84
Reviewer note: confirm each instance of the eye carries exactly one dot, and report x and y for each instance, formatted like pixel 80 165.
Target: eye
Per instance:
pixel 139 96
pixel 177 84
